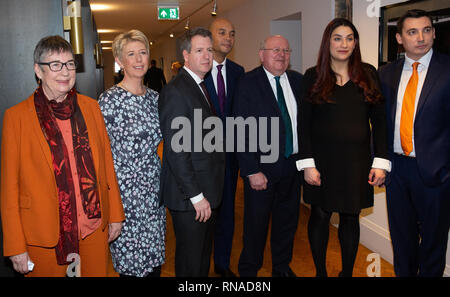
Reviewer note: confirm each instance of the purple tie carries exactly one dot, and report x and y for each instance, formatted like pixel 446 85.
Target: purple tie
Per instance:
pixel 220 88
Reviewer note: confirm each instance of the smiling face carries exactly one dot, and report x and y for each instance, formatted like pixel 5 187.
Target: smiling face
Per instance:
pixel 342 43
pixel 199 59
pixel 57 84
pixel 276 62
pixel 223 37
pixel 134 59
pixel 417 37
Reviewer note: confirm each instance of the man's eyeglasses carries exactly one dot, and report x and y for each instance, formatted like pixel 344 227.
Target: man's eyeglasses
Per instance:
pixel 56 66
pixel 278 50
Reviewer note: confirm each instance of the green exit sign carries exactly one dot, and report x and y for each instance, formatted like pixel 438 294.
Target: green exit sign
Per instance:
pixel 169 13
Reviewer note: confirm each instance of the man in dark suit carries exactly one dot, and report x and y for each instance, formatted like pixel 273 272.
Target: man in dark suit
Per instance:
pixel 417 90
pixel 192 178
pixel 221 82
pixel 270 189
pixel 154 78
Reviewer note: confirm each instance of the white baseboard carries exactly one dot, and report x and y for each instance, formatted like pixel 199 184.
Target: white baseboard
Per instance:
pixel 376 238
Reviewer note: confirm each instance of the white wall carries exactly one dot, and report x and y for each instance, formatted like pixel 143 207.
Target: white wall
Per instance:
pixel 291 30
pixel 165 49
pixel 252 21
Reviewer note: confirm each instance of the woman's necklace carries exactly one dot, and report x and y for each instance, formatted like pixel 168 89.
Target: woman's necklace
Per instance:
pixel 122 85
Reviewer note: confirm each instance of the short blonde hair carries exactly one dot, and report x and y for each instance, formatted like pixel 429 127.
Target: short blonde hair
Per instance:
pixel 122 39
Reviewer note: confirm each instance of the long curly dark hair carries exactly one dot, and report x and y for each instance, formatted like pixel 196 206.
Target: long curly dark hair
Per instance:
pixel 326 78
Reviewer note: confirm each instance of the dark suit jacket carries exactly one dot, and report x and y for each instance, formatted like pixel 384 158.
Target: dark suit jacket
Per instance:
pixel 154 79
pixel 255 98
pixel 187 174
pixel 234 73
pixel 432 120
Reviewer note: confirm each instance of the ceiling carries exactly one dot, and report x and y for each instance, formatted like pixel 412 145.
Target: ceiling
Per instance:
pixel 123 15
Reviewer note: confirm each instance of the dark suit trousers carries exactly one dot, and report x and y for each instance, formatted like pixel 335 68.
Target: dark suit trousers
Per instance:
pixel 281 201
pixel 223 236
pixel 419 220
pixel 193 243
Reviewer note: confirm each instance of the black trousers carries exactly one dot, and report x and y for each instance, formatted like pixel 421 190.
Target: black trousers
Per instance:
pixel 223 235
pixel 419 219
pixel 193 243
pixel 281 202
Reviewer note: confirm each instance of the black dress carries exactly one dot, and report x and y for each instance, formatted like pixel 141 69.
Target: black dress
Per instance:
pixel 338 136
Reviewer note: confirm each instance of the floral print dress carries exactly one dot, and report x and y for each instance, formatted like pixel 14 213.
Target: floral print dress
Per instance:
pixel 132 123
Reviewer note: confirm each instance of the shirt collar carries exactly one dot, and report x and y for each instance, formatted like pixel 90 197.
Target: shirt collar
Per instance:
pixel 424 60
pixel 215 63
pixel 197 79
pixel 271 76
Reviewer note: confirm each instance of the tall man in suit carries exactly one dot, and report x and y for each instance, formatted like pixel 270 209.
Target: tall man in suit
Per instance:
pixel 417 90
pixel 191 179
pixel 270 189
pixel 221 82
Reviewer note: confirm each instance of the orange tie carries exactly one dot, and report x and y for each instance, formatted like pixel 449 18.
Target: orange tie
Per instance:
pixel 407 118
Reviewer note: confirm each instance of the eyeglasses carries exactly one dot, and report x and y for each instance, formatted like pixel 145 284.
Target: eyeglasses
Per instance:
pixel 278 50
pixel 56 66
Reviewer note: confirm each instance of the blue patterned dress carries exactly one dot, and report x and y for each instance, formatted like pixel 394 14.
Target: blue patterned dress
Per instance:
pixel 132 123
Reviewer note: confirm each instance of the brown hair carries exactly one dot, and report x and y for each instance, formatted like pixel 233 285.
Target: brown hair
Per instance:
pixel 326 78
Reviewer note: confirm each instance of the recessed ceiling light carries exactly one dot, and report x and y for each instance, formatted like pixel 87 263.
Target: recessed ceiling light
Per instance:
pixel 171 35
pixel 106 30
pixel 96 7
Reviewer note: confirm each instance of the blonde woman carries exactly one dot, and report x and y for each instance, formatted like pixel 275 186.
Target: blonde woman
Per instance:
pixel 130 110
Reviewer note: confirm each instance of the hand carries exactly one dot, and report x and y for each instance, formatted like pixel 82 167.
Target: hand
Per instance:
pixel 312 176
pixel 202 210
pixel 114 231
pixel 20 262
pixel 258 181
pixel 377 177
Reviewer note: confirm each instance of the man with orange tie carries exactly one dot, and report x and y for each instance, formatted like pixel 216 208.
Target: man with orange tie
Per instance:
pixel 417 92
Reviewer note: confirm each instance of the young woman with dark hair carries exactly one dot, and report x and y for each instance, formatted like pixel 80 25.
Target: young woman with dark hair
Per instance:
pixel 341 110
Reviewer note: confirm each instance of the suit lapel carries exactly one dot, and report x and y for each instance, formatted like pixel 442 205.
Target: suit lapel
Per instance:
pixel 394 91
pixel 231 84
pixel 432 77
pixel 212 91
pixel 266 88
pixel 197 93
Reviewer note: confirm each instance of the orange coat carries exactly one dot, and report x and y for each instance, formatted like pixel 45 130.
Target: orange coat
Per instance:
pixel 29 201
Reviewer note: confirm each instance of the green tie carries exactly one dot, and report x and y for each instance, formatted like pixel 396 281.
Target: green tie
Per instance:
pixel 286 118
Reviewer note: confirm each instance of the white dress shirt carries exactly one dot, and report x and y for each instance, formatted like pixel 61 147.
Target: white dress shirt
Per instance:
pixel 407 71
pixel 214 72
pixel 291 103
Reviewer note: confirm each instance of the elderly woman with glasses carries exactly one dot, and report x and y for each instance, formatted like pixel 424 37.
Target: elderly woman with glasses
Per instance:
pixel 130 110
pixel 60 202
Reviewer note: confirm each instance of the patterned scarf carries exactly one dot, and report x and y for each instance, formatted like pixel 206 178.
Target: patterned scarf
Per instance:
pixel 68 109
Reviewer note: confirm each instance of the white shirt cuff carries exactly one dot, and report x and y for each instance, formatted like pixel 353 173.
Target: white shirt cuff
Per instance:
pixel 197 198
pixel 381 163
pixel 305 163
